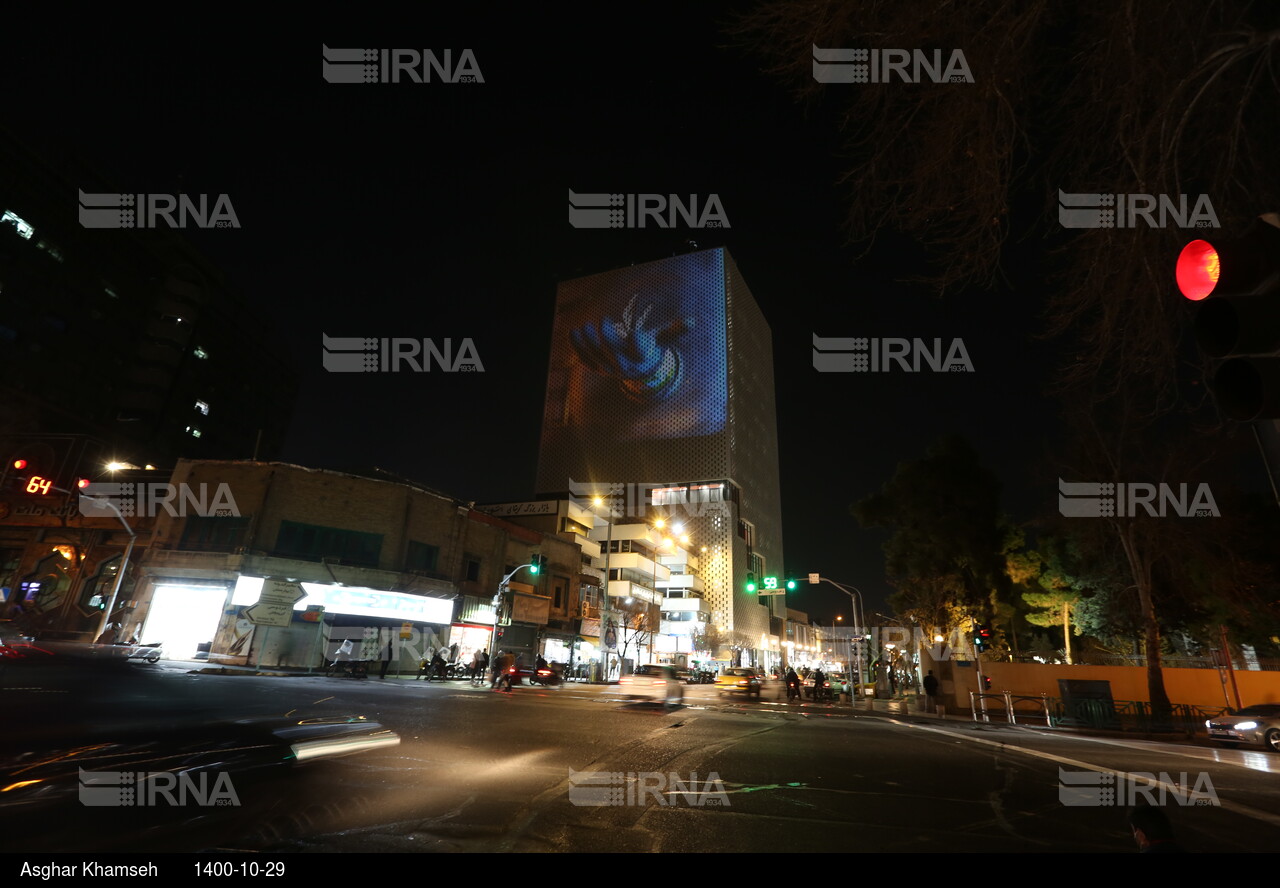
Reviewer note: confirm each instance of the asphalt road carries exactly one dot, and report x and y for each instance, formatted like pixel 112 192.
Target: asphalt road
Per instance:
pixel 589 769
pixel 582 768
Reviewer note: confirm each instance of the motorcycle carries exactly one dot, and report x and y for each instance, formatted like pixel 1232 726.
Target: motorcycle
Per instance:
pixel 150 653
pixel 544 677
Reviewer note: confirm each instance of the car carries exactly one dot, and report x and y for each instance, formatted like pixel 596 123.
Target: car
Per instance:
pixel 666 680
pixel 826 692
pixel 739 680
pixel 648 676
pixel 1255 725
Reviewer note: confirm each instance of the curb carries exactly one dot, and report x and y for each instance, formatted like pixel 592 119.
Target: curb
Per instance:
pixel 222 670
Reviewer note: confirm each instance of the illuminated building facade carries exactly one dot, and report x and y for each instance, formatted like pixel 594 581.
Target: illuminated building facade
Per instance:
pixel 660 400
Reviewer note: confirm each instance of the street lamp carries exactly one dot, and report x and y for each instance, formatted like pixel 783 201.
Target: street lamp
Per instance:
pixel 658 525
pixel 859 617
pixel 604 601
pixel 124 561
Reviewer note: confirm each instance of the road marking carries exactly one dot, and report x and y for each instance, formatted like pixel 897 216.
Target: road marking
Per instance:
pixel 1243 810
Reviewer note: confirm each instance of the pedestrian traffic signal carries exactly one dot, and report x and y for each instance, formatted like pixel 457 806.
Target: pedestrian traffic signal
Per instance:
pixel 1236 285
pixel 27 477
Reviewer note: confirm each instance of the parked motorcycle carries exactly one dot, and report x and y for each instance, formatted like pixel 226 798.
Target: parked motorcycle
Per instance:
pixel 151 653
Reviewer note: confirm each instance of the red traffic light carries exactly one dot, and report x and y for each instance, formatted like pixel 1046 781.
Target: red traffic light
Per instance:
pixel 82 483
pixel 19 463
pixel 1198 270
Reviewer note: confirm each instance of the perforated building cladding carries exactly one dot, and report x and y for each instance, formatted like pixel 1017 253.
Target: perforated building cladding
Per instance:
pixel 661 374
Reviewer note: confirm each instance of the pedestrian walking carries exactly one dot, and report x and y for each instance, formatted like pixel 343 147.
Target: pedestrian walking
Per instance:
pixel 387 653
pixel 495 669
pixel 931 691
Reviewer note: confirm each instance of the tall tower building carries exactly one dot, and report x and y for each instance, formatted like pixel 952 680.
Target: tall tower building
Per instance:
pixel 660 397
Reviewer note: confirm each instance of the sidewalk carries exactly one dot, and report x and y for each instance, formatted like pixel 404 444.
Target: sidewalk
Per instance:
pixel 204 667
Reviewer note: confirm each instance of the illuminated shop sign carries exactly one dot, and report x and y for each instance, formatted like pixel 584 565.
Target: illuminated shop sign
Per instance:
pixel 356 601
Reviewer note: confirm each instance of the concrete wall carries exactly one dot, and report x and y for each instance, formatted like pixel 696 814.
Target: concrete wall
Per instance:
pixel 1200 687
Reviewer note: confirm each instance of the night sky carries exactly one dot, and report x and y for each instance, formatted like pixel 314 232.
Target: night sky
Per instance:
pixel 440 210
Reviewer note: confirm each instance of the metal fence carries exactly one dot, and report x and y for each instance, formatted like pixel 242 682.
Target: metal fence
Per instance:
pixel 1016 709
pixel 1118 715
pixel 1132 715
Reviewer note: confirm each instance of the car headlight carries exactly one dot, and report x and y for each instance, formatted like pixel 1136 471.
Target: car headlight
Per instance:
pixel 1245 726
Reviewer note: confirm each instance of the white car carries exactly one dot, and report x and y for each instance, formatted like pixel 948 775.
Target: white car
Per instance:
pixel 1255 725
pixel 665 679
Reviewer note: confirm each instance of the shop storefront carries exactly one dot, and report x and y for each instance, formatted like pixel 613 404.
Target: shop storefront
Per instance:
pixel 470 638
pixel 392 627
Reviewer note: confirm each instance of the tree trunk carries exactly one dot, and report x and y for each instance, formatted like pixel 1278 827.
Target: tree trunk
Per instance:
pixel 1161 708
pixel 1066 631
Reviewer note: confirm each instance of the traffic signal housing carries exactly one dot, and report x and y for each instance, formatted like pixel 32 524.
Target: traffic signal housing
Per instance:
pixel 1236 285
pixel 981 637
pixel 537 562
pixel 30 476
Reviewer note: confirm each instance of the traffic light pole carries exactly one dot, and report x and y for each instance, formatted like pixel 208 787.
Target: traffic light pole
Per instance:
pixel 859 617
pixel 498 601
pixel 982 684
pixel 124 561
